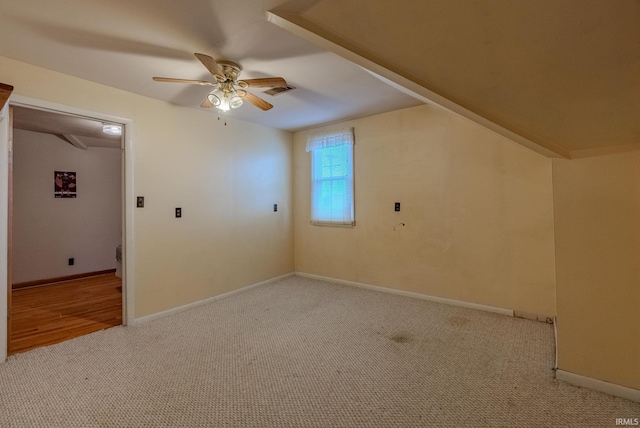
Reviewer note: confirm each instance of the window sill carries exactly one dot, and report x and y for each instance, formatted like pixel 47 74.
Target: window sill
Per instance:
pixel 342 225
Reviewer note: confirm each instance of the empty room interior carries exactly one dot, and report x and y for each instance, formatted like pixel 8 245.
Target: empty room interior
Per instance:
pixel 323 212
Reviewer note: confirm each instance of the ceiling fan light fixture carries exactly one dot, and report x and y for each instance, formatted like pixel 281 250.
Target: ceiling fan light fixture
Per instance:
pixel 112 129
pixel 235 101
pixel 225 98
pixel 224 104
pixel 215 97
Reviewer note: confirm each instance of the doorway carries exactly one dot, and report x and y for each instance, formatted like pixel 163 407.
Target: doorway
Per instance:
pixel 66 227
pixel 124 215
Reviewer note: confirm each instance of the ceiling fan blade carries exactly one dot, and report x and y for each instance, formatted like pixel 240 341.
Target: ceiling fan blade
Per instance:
pixel 266 82
pixel 210 63
pixel 191 82
pixel 206 103
pixel 256 101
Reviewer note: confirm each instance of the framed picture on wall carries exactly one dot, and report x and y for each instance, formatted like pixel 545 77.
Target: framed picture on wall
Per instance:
pixel 64 184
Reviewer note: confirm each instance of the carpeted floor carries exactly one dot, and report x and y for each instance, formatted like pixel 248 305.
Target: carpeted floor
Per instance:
pixel 304 353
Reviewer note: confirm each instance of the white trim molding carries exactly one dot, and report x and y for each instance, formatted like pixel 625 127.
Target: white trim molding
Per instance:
pixel 443 300
pixel 162 314
pixel 599 385
pixel 5 143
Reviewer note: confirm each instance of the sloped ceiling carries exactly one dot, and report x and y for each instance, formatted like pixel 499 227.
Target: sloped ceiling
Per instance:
pixel 564 75
pixel 559 76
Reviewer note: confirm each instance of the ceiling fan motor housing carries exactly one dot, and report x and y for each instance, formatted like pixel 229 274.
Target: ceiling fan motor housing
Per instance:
pixel 231 70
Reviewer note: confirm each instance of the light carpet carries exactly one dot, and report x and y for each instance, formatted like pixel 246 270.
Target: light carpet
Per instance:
pixel 305 353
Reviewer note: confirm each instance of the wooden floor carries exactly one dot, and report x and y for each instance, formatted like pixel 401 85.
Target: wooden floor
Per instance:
pixel 53 313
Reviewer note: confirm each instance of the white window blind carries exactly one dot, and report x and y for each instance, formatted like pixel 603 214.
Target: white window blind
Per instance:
pixel 332 177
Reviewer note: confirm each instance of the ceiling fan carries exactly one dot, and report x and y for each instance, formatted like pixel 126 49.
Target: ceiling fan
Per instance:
pixel 229 92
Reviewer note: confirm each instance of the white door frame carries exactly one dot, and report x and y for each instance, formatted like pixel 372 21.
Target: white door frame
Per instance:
pixel 4 202
pixel 128 312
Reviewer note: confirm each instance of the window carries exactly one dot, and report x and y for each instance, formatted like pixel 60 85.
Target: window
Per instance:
pixel 332 178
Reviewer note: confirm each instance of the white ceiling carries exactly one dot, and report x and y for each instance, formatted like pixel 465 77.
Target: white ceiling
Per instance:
pixel 79 131
pixel 561 77
pixel 123 44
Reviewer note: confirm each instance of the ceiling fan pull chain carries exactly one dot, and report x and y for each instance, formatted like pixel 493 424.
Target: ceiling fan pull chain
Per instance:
pixel 225 118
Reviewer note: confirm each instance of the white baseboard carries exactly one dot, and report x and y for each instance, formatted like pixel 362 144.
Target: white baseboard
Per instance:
pixel 178 309
pixel 451 302
pixel 533 317
pixel 599 385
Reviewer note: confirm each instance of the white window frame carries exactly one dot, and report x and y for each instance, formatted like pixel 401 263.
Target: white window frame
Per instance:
pixel 315 144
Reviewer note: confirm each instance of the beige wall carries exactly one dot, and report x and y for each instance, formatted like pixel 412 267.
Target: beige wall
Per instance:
pixel 597 218
pixel 225 178
pixel 47 231
pixel 477 212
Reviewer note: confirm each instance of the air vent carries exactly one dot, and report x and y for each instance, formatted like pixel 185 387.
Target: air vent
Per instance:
pixel 278 91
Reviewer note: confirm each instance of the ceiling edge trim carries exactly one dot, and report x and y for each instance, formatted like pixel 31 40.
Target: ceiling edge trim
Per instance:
pixel 300 27
pixel 602 151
